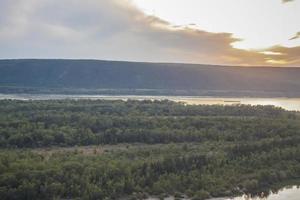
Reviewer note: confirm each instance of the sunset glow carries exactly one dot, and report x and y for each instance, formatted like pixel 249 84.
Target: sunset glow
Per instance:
pixel 231 32
pixel 260 24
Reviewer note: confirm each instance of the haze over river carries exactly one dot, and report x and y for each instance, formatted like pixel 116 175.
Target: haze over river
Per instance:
pixel 292 193
pixel 292 104
pixel 289 193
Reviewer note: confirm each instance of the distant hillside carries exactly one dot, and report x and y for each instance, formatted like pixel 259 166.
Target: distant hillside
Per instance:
pixel 146 78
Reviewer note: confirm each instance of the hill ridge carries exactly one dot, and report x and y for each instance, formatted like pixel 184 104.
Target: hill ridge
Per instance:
pixel 192 79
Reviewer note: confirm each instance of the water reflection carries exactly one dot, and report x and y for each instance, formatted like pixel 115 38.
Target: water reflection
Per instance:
pixel 288 193
pixel 292 104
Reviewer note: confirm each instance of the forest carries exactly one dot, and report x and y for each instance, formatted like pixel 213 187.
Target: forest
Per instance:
pixel 100 149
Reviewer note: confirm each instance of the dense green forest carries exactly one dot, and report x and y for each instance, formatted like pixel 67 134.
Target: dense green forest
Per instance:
pixel 96 149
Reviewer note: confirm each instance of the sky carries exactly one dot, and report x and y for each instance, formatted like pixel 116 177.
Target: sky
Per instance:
pixel 223 32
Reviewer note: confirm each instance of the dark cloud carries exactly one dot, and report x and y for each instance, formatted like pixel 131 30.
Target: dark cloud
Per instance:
pixel 297 36
pixel 115 30
pixel 286 1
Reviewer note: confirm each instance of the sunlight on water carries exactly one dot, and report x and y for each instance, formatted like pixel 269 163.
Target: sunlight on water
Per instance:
pixel 292 104
pixel 291 193
pixel 284 194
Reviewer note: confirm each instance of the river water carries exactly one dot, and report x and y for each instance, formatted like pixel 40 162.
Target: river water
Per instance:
pixel 288 193
pixel 292 104
pixel 291 193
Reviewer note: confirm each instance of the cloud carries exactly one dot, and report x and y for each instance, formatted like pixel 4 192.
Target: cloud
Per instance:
pixel 297 36
pixel 286 1
pixel 285 55
pixel 117 30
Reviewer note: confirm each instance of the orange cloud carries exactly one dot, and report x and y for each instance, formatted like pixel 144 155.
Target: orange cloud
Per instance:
pixel 287 56
pixel 117 30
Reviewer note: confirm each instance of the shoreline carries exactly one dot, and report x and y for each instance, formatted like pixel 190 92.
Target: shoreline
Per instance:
pixel 290 104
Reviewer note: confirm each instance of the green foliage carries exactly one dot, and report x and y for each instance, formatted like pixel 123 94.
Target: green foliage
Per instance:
pixel 68 123
pixel 169 149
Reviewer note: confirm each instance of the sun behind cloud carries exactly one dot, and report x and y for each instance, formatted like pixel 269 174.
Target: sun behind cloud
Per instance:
pixel 118 30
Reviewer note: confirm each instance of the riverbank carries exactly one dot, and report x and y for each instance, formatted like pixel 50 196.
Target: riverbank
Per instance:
pixel 291 104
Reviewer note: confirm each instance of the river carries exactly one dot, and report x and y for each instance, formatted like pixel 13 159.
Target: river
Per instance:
pixel 292 193
pixel 292 104
pixel 288 193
